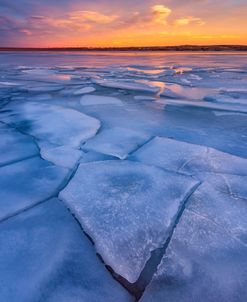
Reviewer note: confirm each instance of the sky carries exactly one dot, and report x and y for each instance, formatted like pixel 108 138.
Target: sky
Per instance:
pixel 116 23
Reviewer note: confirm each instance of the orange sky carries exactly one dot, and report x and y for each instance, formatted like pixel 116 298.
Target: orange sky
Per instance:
pixel 114 23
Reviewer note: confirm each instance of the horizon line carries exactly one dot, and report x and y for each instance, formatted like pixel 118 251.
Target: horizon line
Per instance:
pixel 210 47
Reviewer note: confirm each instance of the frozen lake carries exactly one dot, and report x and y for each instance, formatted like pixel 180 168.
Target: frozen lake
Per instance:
pixel 123 176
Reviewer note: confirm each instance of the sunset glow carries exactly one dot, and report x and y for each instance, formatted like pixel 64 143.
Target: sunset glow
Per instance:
pixel 103 23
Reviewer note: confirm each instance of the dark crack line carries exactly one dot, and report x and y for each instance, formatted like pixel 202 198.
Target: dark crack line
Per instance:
pixel 17 129
pixel 18 160
pixel 139 147
pixel 157 255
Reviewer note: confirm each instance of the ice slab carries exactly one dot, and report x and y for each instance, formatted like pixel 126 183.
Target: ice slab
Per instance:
pixel 44 88
pixel 46 75
pixel 222 97
pixel 144 98
pixel 91 156
pixel 144 70
pixel 184 92
pixel 132 116
pixel 88 100
pixel 46 257
pixel 116 141
pixel 63 156
pixel 37 71
pixel 127 208
pixel 229 113
pixel 222 199
pixel 55 124
pixel 15 146
pixel 202 263
pixel 235 107
pixel 26 183
pixel 40 97
pixel 84 90
pixel 181 69
pixel 195 77
pixel 127 85
pixel 188 158
pixel 10 84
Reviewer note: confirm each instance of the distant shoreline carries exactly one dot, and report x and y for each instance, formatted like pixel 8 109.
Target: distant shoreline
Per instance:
pixel 203 48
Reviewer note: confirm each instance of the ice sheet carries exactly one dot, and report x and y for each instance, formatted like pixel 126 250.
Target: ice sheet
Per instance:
pixel 63 156
pixel 55 124
pixel 188 158
pixel 127 209
pixel 177 91
pixel 117 142
pixel 84 90
pixel 128 85
pixel 222 199
pixel 88 100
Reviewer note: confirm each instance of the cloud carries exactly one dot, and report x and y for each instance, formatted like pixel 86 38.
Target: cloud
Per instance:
pixel 75 20
pixel 62 23
pixel 92 16
pixel 189 20
pixel 8 23
pixel 25 31
pixel 152 18
pixel 49 28
pixel 160 13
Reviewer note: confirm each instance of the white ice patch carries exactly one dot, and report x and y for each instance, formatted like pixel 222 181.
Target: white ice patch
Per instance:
pixel 63 156
pixel 84 90
pixel 144 98
pixel 195 77
pixel 55 124
pixel 128 85
pixel 222 199
pixel 182 70
pixel 224 98
pixel 177 91
pixel 203 104
pixel 6 83
pixel 224 113
pixel 185 81
pixel 44 88
pixel 40 97
pixel 88 100
pixel 37 71
pixel 189 158
pixel 127 208
pixel 117 142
